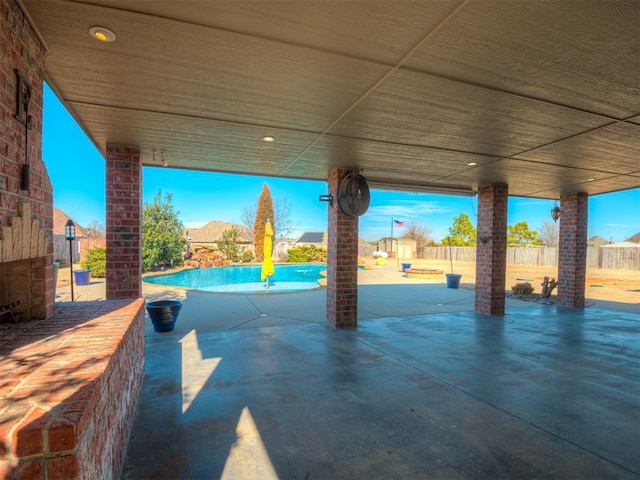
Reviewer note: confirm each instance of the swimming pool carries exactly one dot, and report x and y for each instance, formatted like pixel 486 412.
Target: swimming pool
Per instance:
pixel 244 279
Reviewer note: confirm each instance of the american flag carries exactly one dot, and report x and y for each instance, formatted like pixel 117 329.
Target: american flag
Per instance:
pixel 398 223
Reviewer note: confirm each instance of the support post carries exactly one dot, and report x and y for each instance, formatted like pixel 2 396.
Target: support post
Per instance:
pixel 491 254
pixel 71 266
pixel 342 262
pixel 572 250
pixel 124 222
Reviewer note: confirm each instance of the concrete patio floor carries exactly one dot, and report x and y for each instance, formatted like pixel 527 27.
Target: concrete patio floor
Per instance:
pixel 433 390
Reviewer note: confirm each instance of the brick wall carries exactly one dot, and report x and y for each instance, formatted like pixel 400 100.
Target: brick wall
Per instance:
pixel 572 256
pixel 342 262
pixel 491 254
pixel 88 243
pixel 21 50
pixel 67 408
pixel 124 222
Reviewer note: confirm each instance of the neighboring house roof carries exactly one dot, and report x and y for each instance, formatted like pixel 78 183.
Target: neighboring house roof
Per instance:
pixel 60 219
pixel 317 238
pixel 94 232
pixel 212 232
pixel 635 238
pixel 596 241
pixel 320 238
pixel 622 245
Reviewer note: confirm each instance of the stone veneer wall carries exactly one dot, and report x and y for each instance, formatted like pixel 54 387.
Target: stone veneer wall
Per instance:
pixel 491 254
pixel 67 405
pixel 21 50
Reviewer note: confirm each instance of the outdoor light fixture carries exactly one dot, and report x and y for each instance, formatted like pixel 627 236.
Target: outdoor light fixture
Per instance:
pixel 555 212
pixel 327 198
pixel 102 34
pixel 70 234
pixel 23 98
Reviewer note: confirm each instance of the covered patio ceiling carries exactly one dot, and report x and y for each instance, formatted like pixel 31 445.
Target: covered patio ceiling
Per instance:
pixel 419 95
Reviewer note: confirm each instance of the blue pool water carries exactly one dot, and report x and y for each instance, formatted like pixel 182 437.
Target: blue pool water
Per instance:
pixel 244 279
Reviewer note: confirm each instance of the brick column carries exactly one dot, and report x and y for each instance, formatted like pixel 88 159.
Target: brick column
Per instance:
pixel 342 261
pixel 124 222
pixel 491 250
pixel 572 250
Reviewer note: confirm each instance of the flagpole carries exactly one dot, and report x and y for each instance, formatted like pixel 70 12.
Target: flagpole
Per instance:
pixel 392 233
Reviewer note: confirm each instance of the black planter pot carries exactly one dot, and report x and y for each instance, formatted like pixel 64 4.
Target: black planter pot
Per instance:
pixel 163 314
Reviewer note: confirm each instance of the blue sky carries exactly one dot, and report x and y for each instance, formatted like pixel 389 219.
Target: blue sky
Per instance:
pixel 77 171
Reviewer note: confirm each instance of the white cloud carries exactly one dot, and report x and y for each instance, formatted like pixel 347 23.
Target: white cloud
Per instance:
pixel 406 209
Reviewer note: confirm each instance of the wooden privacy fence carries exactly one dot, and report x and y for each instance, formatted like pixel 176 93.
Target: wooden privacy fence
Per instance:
pixel 620 258
pixel 61 249
pixel 616 258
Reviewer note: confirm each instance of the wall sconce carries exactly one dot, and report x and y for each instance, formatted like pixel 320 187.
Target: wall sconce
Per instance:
pixel 327 198
pixel 555 211
pixel 23 98
pixel 70 234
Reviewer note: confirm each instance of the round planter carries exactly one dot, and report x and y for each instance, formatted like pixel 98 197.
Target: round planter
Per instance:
pixel 164 314
pixel 453 280
pixel 82 277
pixel 406 266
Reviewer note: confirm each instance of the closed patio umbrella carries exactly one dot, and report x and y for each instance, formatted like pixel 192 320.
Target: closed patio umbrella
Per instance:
pixel 267 263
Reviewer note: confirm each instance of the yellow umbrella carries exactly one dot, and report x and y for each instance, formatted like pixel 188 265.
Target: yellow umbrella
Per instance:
pixel 267 262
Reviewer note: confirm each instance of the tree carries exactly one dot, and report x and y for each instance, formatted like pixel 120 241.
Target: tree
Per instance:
pixel 520 235
pixel 162 240
pixel 264 212
pixel 281 221
pixel 97 226
pixel 421 234
pixel 548 234
pixel 229 244
pixel 462 233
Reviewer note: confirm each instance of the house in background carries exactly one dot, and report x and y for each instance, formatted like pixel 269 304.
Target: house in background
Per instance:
pixel 319 239
pixel 86 239
pixel 634 238
pixel 212 231
pixel 596 241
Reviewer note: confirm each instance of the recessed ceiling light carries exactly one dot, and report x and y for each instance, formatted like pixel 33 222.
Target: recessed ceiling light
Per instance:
pixel 591 179
pixel 268 139
pixel 471 164
pixel 103 34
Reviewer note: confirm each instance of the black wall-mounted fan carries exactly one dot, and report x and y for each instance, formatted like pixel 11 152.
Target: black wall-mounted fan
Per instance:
pixel 353 195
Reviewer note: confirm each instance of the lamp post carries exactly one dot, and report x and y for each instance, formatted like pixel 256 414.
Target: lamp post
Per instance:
pixel 70 234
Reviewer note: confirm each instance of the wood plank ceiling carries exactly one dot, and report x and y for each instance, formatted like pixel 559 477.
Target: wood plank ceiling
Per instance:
pixel 542 95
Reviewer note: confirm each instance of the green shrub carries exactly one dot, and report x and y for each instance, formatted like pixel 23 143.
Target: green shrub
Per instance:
pixel 96 261
pixel 247 256
pixel 522 288
pixel 307 253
